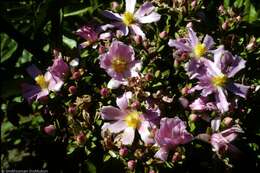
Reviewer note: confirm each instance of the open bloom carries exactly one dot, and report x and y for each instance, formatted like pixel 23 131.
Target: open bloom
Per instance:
pixel 52 80
pixel 221 141
pixel 196 49
pixel 172 133
pixel 217 78
pixel 92 34
pixel 120 64
pixel 128 120
pixel 202 104
pixel 132 19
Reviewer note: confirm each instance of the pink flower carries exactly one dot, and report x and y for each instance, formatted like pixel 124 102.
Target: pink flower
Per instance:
pixel 52 80
pixel 132 19
pixel 120 63
pixel 172 133
pixel 127 120
pixel 221 141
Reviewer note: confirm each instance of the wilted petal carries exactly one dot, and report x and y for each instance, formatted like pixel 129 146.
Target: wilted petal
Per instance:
pixel 115 127
pixel 145 9
pixel 130 5
pixel 123 101
pixel 162 154
pixel 153 17
pixel 111 113
pixel 208 41
pixel 238 89
pixel 111 15
pixel 221 100
pixel 128 136
pixel 137 30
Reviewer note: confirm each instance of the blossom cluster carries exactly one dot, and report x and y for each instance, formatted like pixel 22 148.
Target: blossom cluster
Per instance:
pixel 138 118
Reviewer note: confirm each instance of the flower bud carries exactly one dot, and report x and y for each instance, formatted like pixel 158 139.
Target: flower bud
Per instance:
pixel 176 157
pixel 228 121
pixel 114 5
pixel 193 117
pixel 72 109
pixel 193 4
pixel 185 90
pixel 81 138
pixel 148 76
pixel 104 92
pixel 101 49
pixel 225 25
pixel 152 171
pixel 50 129
pixel 72 90
pixel 123 151
pixel 138 39
pixel 221 9
pixel 163 34
pixel 131 164
pixel 136 104
pixel 76 75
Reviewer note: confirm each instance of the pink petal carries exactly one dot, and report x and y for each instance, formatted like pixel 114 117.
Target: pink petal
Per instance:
pixel 111 15
pixel 238 89
pixel 128 136
pixel 145 9
pixel 162 154
pixel 130 5
pixel 221 100
pixel 114 84
pixel 43 93
pixel 115 127
pixel 145 132
pixel 111 113
pixel 208 41
pixel 215 124
pixel 137 30
pixel 123 101
pixel 192 36
pixel 153 17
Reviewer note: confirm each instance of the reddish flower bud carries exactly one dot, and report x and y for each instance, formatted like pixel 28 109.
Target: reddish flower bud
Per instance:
pixel 72 90
pixel 148 76
pixel 193 117
pixel 136 104
pixel 81 138
pixel 72 109
pixel 76 75
pixel 163 34
pixel 123 151
pixel 101 49
pixel 225 25
pixel 131 164
pixel 228 121
pixel 114 5
pixel 104 92
pixel 50 129
pixel 138 39
pixel 176 157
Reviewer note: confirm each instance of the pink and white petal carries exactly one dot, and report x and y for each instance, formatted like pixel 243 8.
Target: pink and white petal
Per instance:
pixel 130 5
pixel 122 28
pixel 231 133
pixel 115 127
pixel 208 41
pixel 114 84
pixel 153 17
pixel 123 101
pixel 145 133
pixel 213 70
pixel 111 15
pixel 162 154
pixel 137 30
pixel 105 60
pixel 55 83
pixel 192 36
pixel 42 93
pixel 221 100
pixel 215 124
pixel 33 71
pixel 145 9
pixel 128 136
pixel 238 89
pixel 106 27
pixel 218 53
pixel 111 113
pixel 179 45
pixel 237 67
pixel 198 105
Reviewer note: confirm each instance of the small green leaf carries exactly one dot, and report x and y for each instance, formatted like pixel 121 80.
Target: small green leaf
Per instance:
pixel 69 42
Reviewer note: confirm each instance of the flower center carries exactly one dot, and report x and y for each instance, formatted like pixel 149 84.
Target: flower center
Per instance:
pixel 119 65
pixel 200 49
pixel 133 119
pixel 41 81
pixel 220 80
pixel 128 18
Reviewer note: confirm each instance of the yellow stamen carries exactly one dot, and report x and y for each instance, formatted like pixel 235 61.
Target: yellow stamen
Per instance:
pixel 41 81
pixel 220 80
pixel 119 64
pixel 133 119
pixel 128 18
pixel 199 50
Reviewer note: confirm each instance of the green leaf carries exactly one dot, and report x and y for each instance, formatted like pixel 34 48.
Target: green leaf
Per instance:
pixel 238 3
pixel 69 42
pixel 7 47
pixel 251 14
pixel 90 166
pixel 226 3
